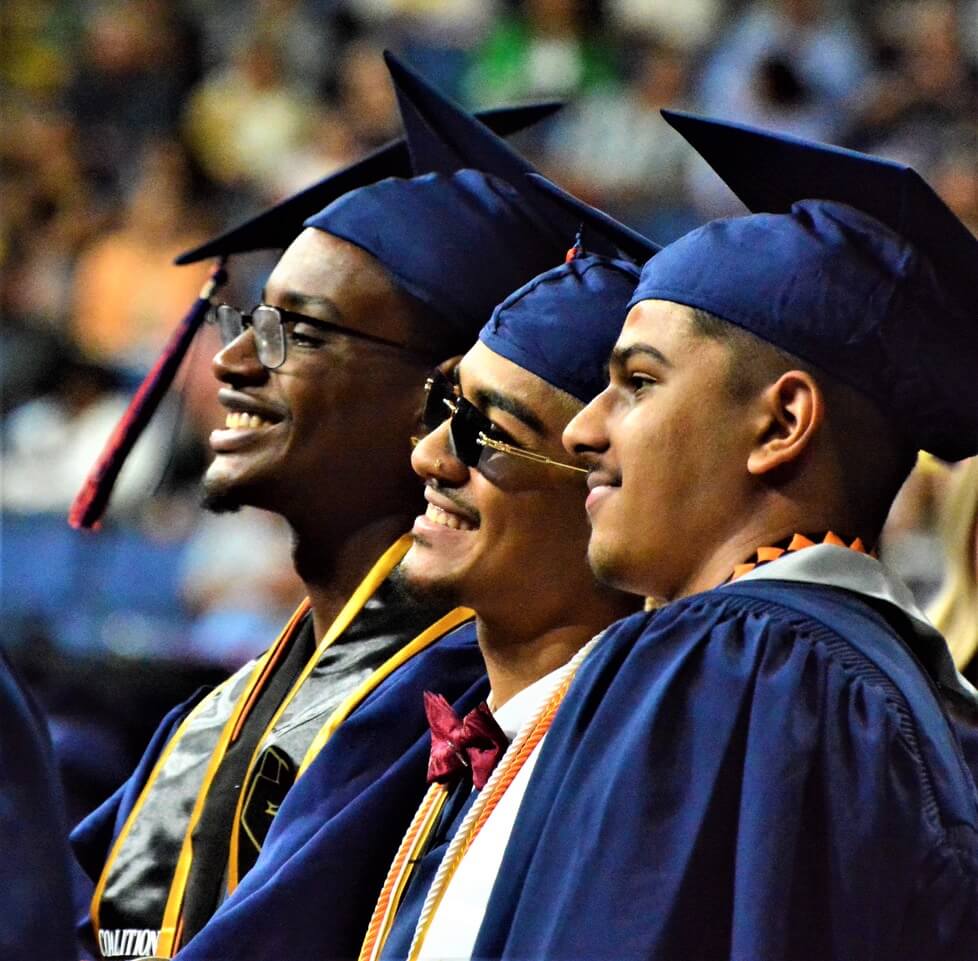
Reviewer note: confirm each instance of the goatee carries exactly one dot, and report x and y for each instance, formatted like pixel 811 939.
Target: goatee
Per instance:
pixel 220 501
pixel 441 596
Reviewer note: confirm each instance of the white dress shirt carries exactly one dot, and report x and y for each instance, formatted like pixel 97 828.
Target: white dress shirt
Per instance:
pixel 456 922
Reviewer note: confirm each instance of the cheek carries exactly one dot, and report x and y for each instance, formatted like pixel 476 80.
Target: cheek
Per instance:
pixel 541 524
pixel 974 550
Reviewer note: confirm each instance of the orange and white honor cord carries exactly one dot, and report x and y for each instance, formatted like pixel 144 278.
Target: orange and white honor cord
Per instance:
pixel 413 844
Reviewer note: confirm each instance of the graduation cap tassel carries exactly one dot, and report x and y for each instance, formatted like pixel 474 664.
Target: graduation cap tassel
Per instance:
pixel 91 501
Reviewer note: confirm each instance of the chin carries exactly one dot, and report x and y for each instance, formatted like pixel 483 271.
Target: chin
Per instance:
pixel 417 580
pixel 223 494
pixel 610 568
pixel 623 574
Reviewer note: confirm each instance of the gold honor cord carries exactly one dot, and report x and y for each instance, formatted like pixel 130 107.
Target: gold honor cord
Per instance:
pixel 526 741
pixel 168 927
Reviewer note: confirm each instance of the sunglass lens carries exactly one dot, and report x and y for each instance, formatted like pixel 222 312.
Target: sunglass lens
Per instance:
pixel 467 423
pixel 438 389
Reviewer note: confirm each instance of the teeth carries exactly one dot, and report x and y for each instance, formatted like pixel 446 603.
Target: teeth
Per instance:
pixel 437 516
pixel 238 420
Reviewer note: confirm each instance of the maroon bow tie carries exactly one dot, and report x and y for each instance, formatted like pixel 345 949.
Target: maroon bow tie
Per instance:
pixel 475 741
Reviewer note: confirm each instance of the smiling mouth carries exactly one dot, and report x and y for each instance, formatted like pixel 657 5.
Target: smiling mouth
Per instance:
pixel 239 420
pixel 444 519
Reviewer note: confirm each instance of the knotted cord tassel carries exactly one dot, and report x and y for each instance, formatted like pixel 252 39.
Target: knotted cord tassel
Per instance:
pixel 91 501
pixel 578 249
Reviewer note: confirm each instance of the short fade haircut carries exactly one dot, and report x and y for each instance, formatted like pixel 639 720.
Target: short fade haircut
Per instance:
pixel 877 457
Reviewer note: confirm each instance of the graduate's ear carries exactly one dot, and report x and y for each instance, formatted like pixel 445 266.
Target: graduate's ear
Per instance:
pixel 790 412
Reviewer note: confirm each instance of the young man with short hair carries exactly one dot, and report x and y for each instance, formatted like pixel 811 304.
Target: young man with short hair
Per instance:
pixel 503 534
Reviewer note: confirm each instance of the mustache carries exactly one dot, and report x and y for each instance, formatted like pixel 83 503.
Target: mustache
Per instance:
pixel 463 507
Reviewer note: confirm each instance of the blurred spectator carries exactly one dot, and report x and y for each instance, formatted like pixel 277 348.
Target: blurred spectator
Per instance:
pixel 688 25
pixel 645 185
pixel 127 293
pixel 50 442
pixel 909 543
pixel 40 37
pixel 955 612
pixel 543 48
pixel 330 143
pixel 239 583
pixel 46 215
pixel 301 32
pixel 924 92
pixel 309 34
pixel 435 36
pixel 791 65
pixel 365 96
pixel 242 119
pixel 955 178
pixel 137 62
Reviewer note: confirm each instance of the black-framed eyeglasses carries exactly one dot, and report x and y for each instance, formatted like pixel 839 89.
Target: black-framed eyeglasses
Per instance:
pixel 471 431
pixel 272 327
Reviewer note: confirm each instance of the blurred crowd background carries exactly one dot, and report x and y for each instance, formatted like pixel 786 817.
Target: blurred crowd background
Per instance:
pixel 134 129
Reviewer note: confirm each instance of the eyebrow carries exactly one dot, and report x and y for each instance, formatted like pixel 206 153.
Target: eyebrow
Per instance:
pixel 488 397
pixel 299 302
pixel 621 355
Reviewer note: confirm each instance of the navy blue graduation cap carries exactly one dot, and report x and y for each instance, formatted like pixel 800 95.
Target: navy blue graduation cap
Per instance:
pixel 562 325
pixel 468 228
pixel 850 262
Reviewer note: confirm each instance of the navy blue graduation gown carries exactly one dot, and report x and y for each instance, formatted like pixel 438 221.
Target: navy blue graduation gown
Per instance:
pixel 35 894
pixel 310 894
pixel 764 772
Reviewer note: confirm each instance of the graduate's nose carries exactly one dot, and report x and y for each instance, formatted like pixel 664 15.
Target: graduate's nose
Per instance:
pixel 237 363
pixel 587 432
pixel 433 458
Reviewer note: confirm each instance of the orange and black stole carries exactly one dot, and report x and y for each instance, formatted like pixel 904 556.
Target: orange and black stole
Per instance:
pixel 792 544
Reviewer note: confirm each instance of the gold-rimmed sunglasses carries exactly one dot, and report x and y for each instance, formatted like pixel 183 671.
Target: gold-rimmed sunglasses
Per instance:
pixel 471 431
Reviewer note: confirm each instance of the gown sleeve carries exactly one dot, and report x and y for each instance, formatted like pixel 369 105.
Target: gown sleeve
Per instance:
pixel 35 897
pixel 92 838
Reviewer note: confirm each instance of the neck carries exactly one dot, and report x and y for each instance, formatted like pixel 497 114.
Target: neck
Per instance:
pixel 765 529
pixel 331 567
pixel 515 658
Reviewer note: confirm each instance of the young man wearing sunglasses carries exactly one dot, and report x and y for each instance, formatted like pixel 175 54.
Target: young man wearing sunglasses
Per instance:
pixel 321 384
pixel 502 533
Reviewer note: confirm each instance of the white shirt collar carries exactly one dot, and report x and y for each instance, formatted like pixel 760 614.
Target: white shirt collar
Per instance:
pixel 520 707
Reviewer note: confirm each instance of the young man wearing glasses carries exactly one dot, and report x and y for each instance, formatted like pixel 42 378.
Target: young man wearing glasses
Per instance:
pixel 321 384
